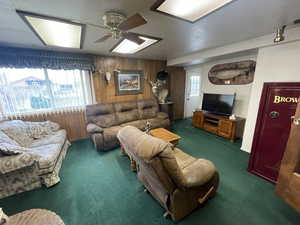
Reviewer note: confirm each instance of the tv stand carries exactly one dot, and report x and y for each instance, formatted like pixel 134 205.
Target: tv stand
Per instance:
pixel 219 125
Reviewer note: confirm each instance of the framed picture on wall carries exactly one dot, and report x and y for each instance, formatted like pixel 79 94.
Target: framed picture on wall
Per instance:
pixel 129 82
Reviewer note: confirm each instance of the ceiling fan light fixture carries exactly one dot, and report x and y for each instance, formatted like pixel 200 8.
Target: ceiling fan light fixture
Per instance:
pixel 129 47
pixel 279 36
pixel 189 10
pixel 53 31
pixel 113 19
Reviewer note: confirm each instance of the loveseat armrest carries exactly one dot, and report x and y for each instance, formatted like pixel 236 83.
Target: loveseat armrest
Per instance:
pixel 162 115
pixel 93 128
pixel 15 162
pixel 198 173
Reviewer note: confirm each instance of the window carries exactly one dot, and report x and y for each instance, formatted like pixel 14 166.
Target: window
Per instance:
pixel 32 90
pixel 195 86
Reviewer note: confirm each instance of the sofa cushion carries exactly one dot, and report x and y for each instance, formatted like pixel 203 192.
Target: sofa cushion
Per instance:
pixel 125 106
pixel 18 131
pixel 58 137
pixel 39 129
pixel 110 136
pixel 140 124
pixel 15 162
pixel 105 121
pixel 93 128
pixel 46 155
pixel 182 158
pixel 147 109
pixel 128 116
pixel 125 135
pixel 101 114
pixel 98 109
pixel 126 112
pixel 4 138
pixel 205 171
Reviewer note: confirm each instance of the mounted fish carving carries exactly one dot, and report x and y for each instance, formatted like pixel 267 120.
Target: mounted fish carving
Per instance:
pixel 237 73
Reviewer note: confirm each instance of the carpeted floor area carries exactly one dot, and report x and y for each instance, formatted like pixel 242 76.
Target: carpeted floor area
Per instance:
pixel 99 188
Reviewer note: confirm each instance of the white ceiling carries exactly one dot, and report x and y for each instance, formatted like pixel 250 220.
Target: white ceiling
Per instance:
pixel 240 20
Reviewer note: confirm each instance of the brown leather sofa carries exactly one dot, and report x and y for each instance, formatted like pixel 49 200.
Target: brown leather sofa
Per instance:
pixel 178 181
pixel 104 120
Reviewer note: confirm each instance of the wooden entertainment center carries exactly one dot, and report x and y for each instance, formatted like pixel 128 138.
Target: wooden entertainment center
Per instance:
pixel 219 125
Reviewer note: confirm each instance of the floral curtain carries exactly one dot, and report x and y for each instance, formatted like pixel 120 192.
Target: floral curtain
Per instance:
pixel 29 58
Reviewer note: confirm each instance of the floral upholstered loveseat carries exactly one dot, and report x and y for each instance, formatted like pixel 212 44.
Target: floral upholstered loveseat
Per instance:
pixel 31 155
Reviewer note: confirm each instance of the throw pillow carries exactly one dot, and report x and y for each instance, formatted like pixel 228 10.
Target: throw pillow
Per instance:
pixel 40 129
pixel 18 131
pixel 51 126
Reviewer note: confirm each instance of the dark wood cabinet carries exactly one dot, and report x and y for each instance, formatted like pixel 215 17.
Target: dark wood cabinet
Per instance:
pixel 219 125
pixel 167 108
pixel 226 128
pixel 197 119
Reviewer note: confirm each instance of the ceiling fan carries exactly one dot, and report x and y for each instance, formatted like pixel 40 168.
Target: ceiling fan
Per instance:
pixel 117 25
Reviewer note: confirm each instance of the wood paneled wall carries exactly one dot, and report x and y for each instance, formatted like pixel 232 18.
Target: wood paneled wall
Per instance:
pixel 105 92
pixel 177 90
pixel 73 122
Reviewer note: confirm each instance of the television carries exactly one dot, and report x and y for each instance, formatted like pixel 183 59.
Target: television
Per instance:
pixel 218 103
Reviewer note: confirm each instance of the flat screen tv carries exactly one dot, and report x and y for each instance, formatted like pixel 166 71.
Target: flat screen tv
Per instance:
pixel 218 104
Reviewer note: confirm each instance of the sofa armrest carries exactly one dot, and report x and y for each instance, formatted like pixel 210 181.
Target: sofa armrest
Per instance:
pixel 198 173
pixel 162 115
pixel 15 162
pixel 93 128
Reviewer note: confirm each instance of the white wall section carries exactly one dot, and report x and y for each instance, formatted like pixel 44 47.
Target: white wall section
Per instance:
pixel 274 64
pixel 242 91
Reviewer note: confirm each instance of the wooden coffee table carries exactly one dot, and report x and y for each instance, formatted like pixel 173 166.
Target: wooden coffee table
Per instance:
pixel 165 135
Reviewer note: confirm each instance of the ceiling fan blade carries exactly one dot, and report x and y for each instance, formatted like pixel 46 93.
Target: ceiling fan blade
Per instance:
pixel 132 22
pixel 98 26
pixel 133 37
pixel 104 38
pixel 297 21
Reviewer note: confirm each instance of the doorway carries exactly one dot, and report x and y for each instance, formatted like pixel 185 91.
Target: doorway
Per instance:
pixel 192 93
pixel 288 185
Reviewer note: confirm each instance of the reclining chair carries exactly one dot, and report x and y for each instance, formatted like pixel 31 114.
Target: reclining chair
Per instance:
pixel 178 181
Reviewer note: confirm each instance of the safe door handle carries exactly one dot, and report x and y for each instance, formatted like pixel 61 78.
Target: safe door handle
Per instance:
pixel 295 120
pixel 274 114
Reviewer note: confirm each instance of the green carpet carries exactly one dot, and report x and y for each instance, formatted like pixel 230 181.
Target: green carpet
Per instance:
pixel 99 188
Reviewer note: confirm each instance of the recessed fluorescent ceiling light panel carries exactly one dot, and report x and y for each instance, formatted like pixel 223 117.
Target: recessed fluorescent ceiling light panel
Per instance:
pixel 53 31
pixel 128 47
pixel 190 10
